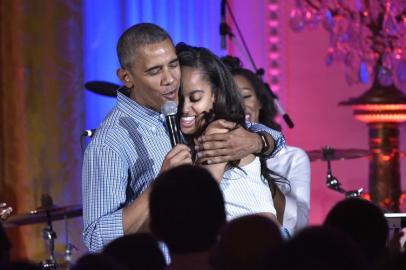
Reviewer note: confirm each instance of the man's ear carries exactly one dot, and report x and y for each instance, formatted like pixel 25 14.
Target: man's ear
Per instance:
pixel 125 77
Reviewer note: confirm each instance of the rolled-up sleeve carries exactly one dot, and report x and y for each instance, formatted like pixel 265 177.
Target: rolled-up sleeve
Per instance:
pixel 301 182
pixel 104 183
pixel 276 135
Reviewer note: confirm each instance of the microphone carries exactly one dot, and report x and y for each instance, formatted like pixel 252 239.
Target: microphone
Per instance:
pixel 89 132
pixel 169 109
pixel 223 25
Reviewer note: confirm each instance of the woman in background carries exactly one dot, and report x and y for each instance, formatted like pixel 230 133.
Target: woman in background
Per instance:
pixel 291 162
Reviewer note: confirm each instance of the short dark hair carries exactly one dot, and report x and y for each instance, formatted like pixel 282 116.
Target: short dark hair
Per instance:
pixel 186 209
pixel 136 36
pixel 360 219
pixel 136 251
pixel 5 247
pixel 228 102
pixel 320 247
pixel 257 232
pixel 267 113
pixel 98 261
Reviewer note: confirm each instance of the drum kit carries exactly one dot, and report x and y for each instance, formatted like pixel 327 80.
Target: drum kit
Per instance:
pixel 47 213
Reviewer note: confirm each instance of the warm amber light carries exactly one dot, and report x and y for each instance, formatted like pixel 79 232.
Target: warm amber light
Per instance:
pixel 386 157
pixel 402 198
pixel 367 197
pixel 375 113
pixel 380 107
pixel 374 118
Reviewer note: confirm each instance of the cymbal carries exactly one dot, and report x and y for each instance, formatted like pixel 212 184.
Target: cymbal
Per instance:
pixel 337 154
pixel 106 88
pixel 39 215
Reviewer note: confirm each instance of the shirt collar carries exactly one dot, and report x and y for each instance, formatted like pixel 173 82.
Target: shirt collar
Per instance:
pixel 134 109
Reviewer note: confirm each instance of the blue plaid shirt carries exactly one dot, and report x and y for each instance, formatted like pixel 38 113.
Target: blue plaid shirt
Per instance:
pixel 121 161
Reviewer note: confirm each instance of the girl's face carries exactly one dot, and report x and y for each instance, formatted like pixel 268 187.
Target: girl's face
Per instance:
pixel 252 106
pixel 198 99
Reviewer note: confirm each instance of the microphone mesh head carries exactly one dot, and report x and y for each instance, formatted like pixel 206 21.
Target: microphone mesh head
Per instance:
pixel 169 108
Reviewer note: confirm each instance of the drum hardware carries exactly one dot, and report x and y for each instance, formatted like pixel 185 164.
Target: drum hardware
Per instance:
pixel 332 182
pixel 337 154
pixel 68 254
pixel 47 213
pixel 48 234
pixel 107 89
pixel 68 246
pixel 40 215
pixel 5 211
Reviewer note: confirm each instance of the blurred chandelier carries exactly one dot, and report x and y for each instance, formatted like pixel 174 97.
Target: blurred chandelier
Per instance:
pixel 368 36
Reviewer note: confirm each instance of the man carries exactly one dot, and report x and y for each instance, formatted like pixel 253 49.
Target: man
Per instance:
pixel 131 146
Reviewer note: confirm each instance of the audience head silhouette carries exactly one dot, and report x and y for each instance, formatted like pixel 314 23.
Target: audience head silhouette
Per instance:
pixel 186 209
pixel 97 261
pixel 320 248
pixel 364 222
pixel 247 243
pixel 4 247
pixel 138 251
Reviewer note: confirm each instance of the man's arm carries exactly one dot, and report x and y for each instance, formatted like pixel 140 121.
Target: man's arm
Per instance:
pixel 237 143
pixel 104 184
pixel 136 214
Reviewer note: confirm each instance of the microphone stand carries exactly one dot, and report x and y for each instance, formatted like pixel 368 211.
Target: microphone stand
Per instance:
pixel 225 30
pixel 231 35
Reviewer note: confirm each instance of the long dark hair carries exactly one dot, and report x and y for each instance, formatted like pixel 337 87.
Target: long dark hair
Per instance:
pixel 227 100
pixel 267 113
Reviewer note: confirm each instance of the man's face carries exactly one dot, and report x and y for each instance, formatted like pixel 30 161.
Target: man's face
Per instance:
pixel 154 75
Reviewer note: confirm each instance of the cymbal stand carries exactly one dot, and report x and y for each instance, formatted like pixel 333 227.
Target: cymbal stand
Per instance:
pixel 332 182
pixel 49 235
pixel 68 246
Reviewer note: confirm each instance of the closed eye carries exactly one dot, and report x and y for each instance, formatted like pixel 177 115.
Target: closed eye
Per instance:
pixel 196 95
pixel 174 64
pixel 153 71
pixel 195 98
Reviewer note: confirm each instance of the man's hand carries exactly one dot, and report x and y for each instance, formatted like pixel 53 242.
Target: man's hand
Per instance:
pixel 5 211
pixel 136 214
pixel 223 147
pixel 179 155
